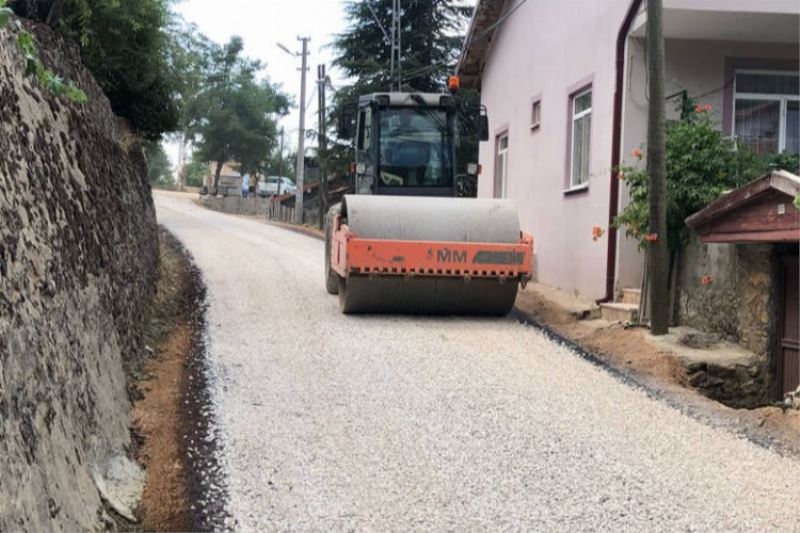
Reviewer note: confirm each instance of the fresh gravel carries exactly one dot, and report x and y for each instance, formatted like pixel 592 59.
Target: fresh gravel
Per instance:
pixel 333 422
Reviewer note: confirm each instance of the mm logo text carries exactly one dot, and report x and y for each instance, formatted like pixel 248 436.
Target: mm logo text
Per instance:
pixel 446 255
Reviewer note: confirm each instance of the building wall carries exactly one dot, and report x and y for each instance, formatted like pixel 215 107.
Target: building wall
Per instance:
pixel 703 69
pixel 741 6
pixel 549 49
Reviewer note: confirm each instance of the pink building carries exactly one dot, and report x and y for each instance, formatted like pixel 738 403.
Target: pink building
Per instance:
pixel 564 84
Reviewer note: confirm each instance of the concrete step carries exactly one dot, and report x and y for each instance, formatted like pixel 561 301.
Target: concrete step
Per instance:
pixel 619 312
pixel 631 296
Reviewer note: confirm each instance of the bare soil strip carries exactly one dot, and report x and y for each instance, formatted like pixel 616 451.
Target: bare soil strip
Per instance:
pixel 171 419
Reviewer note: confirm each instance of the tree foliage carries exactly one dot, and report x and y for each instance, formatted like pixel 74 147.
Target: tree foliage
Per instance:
pixel 194 172
pixel 126 46
pixel 432 34
pixel 189 56
pixel 159 168
pixel 232 116
pixel 33 64
pixel 281 165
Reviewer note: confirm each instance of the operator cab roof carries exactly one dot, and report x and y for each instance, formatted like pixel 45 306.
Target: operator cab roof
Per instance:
pixel 406 99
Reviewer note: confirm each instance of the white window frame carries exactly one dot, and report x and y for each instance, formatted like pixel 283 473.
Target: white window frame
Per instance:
pixel 782 98
pixel 536 121
pixel 574 117
pixel 500 185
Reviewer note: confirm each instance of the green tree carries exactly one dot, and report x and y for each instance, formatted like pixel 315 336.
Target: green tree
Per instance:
pixel 125 45
pixel 233 116
pixel 158 164
pixel 195 172
pixel 189 57
pixel 281 166
pixel 432 35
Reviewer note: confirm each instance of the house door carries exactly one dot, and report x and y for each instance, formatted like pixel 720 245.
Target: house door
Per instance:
pixel 790 326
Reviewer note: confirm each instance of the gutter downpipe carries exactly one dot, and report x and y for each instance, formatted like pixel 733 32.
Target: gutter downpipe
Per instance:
pixel 616 143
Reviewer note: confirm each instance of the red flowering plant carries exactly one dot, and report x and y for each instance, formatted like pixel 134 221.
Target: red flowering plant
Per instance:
pixel 701 165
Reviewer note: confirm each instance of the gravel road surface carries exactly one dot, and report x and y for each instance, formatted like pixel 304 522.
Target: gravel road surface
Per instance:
pixel 332 422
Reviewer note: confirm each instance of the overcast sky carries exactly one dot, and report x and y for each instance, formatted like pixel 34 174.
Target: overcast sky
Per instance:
pixel 262 24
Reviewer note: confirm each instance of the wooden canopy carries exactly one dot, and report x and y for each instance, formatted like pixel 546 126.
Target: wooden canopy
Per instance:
pixel 761 211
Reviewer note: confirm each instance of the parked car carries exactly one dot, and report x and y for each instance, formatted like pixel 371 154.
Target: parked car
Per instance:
pixel 269 186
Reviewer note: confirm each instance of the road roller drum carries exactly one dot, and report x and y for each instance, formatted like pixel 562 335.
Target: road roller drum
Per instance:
pixel 425 255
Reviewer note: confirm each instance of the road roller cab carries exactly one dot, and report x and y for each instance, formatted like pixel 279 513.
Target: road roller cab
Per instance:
pixel 403 243
pixel 404 144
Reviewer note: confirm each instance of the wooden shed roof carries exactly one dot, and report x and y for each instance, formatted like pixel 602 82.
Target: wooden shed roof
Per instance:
pixel 760 211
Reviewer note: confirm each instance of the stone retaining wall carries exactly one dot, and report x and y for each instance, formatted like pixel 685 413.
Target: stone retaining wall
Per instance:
pixel 256 206
pixel 78 264
pixel 728 290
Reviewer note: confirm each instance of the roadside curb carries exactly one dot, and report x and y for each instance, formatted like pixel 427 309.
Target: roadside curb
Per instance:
pixel 303 230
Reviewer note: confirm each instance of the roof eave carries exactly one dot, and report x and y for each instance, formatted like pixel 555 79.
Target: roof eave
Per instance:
pixel 473 52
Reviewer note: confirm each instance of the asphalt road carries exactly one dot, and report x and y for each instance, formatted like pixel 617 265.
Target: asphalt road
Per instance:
pixel 333 422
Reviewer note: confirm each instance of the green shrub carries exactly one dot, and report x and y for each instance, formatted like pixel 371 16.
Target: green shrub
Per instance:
pixel 33 64
pixel 702 164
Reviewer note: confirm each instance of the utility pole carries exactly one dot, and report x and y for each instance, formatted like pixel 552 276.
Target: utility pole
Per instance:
pixel 393 39
pixel 181 162
pixel 322 152
pixel 298 203
pixel 399 49
pixel 300 167
pixel 397 41
pixel 658 259
pixel 280 166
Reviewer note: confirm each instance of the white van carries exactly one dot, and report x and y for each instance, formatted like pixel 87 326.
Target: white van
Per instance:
pixel 269 186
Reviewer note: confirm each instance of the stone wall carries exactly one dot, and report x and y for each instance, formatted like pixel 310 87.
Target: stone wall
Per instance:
pixel 727 290
pixel 256 206
pixel 237 205
pixel 78 261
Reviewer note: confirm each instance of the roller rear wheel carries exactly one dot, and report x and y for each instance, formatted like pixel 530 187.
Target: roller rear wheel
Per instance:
pixel 424 219
pixel 428 296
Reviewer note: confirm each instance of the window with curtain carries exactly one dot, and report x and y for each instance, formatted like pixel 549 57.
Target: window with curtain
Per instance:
pixel 767 111
pixel 579 139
